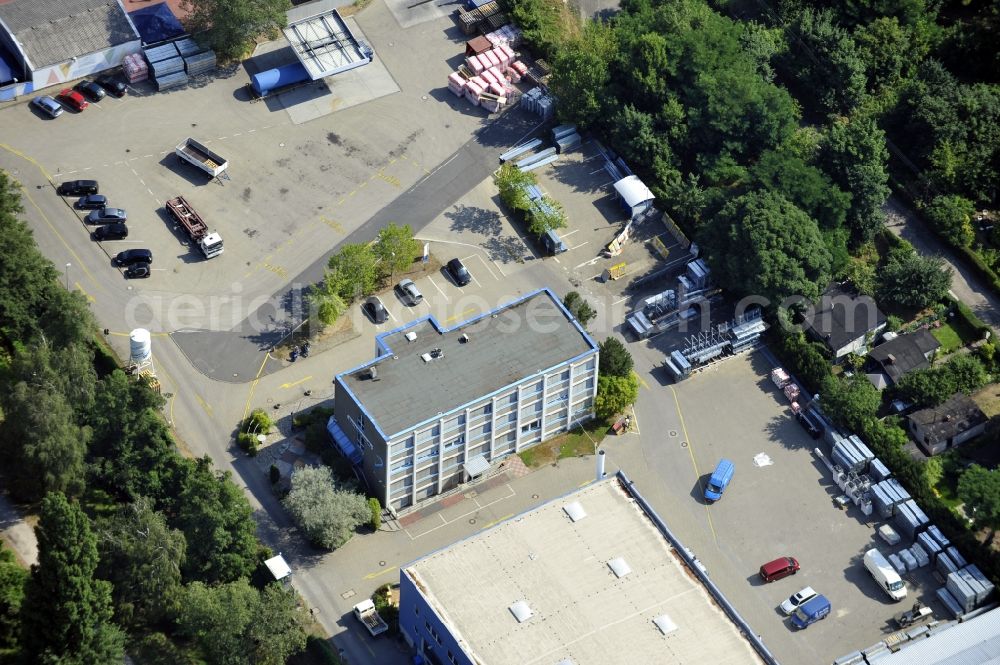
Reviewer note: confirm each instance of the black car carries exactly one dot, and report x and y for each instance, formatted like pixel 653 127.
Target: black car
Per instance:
pixel 91 202
pixel 77 188
pixel 131 256
pixel 375 310
pixel 107 216
pixel 116 231
pixel 809 424
pixel 459 272
pixel 90 90
pixel 112 84
pixel 137 271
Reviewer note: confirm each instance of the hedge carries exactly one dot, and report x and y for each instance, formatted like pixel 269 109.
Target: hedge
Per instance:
pixel 969 317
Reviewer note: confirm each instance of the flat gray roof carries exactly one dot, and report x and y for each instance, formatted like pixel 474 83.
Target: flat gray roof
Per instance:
pixel 324 44
pixel 580 609
pixel 505 346
pixel 53 31
pixel 972 642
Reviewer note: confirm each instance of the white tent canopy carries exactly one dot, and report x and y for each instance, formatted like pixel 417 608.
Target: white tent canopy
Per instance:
pixel 278 567
pixel 633 191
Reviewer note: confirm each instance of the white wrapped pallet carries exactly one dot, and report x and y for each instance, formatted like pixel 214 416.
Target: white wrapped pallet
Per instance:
pixel 937 535
pixel 957 557
pixel 949 602
pixel 897 563
pixel 920 554
pixel 984 582
pixel 888 534
pixel 961 591
pixel 908 560
pixel 878 470
pixel 931 546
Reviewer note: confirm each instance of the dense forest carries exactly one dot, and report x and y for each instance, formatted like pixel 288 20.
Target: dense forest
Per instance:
pixel 783 114
pixel 136 543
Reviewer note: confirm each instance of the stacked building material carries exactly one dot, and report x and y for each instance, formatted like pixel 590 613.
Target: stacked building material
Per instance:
pixel 199 63
pixel 791 392
pixel 852 455
pixel 897 563
pixel 456 83
pixel 162 68
pixel 878 470
pixel 888 534
pixel 908 559
pixel 507 34
pixel 886 495
pixel 158 53
pixel 944 564
pixel 135 68
pixel 931 546
pixel 493 22
pixel 920 554
pixel 492 102
pixel 539 102
pixel 956 556
pixel 779 377
pixel 517 71
pixel 187 46
pixel 910 518
pixel 936 534
pixel 958 586
pixel 468 21
pixel 519 150
pixel 538 156
pixel 475 87
pixel 985 585
pixel 949 602
pixel 174 80
pixel 568 142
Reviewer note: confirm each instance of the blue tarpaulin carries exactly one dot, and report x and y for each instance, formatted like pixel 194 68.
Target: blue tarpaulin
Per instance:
pixel 156 23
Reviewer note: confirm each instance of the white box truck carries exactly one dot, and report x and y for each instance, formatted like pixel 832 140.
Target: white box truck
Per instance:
pixel 885 574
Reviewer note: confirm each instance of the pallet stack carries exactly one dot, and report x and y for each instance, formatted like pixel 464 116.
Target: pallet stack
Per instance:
pixel 135 68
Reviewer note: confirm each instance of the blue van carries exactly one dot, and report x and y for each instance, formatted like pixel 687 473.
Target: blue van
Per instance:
pixel 811 611
pixel 719 481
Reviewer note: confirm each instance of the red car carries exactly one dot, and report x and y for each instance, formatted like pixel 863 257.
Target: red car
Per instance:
pixel 73 99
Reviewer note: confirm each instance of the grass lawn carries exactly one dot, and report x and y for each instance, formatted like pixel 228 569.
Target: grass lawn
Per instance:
pixel 582 440
pixel 988 399
pixel 949 338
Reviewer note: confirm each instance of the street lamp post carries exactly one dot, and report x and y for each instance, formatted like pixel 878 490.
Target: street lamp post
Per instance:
pixel 67 275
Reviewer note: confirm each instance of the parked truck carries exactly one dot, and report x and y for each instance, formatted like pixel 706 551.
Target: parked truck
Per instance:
pixel 196 228
pixel 197 154
pixel 368 615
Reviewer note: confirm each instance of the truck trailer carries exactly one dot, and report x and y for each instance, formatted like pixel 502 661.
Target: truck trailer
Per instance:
pixel 198 155
pixel 210 243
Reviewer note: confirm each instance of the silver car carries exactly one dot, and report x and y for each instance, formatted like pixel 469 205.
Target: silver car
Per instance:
pixel 792 603
pixel 409 292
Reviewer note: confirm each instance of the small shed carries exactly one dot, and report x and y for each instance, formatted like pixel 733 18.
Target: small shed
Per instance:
pixel 635 197
pixel 477 45
pixel 279 567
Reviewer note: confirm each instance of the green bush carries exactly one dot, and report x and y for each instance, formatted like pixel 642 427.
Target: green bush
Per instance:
pixel 968 318
pixel 258 422
pixel 248 443
pixel 274 473
pixel 321 652
pixel 376 509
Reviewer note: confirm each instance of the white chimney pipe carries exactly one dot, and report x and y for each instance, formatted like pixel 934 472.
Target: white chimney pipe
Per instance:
pixel 600 465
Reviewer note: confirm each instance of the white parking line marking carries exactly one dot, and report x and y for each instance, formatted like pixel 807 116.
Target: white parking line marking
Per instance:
pixel 438 288
pixel 620 300
pixel 588 263
pixel 581 245
pixel 149 155
pixel 566 235
pixel 556 259
pixel 485 265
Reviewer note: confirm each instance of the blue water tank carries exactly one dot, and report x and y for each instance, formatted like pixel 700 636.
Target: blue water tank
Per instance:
pixel 268 80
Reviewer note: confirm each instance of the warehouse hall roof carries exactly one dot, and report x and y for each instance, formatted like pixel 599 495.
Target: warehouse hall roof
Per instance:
pixel 325 45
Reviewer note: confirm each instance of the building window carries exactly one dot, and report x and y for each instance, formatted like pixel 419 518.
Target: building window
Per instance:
pixel 456 442
pixel 564 376
pixel 532 426
pixel 430 454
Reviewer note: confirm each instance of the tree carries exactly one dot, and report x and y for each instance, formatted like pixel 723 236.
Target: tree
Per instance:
pixel 889 51
pixel 237 625
pixel 545 215
pixel 925 387
pixel 43 445
pixel 141 557
pixel 581 72
pixel 909 279
pixel 762 244
pixel 325 302
pixel 396 249
pixel 579 308
pixel 218 525
pixel 353 271
pixel 511 182
pixel 326 514
pixel 849 402
pixel 951 216
pixel 979 490
pixel 854 155
pixel 13 579
pixel 234 25
pixel 615 358
pixel 615 394
pixel 966 373
pixel 825 62
pixel 66 613
pixel 806 186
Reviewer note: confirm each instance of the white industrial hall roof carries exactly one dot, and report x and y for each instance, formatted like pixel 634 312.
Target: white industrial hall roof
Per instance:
pixel 325 45
pixel 584 579
pixel 633 191
pixel 972 642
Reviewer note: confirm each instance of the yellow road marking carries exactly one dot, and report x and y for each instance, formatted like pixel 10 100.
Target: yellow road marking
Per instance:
pixel 635 421
pixel 586 482
pixel 85 294
pixel 204 404
pixel 371 576
pixel 26 157
pixel 690 448
pixel 495 522
pixel 295 383
pixel 465 313
pixel 642 381
pixel 253 385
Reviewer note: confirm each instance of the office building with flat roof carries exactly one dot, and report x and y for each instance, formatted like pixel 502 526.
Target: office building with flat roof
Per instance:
pixel 586 579
pixel 438 406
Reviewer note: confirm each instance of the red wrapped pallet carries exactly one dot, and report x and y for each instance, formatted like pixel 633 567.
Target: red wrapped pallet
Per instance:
pixel 494 60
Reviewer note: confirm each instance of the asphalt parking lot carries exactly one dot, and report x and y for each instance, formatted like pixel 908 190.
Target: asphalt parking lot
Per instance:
pixel 784 508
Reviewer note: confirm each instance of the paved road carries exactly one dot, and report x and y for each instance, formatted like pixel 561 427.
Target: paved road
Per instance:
pixel 17 534
pixel 236 355
pixel 965 284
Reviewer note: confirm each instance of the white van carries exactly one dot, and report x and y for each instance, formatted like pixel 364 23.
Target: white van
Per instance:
pixel 885 574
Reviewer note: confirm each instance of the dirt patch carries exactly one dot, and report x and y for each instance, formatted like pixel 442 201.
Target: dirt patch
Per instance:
pixel 340 332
